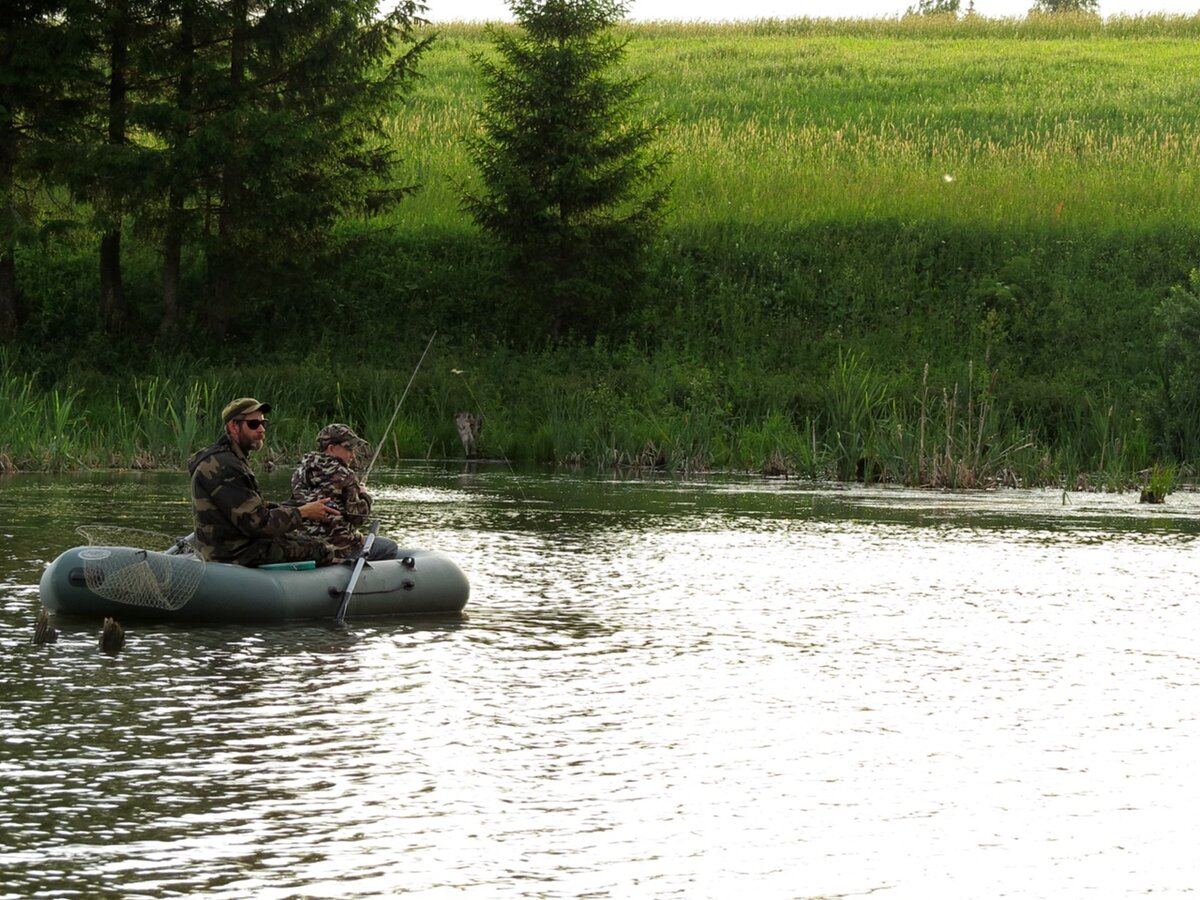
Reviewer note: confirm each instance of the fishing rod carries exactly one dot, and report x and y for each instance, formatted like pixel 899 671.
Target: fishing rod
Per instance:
pixel 396 411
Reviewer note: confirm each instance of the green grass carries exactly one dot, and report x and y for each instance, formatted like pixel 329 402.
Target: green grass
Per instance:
pixel 1047 125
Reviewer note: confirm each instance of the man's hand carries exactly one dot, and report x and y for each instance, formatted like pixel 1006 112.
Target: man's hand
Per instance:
pixel 317 509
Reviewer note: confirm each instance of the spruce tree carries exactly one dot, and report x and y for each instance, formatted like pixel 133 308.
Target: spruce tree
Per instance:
pixel 296 135
pixel 568 163
pixel 105 160
pixel 241 128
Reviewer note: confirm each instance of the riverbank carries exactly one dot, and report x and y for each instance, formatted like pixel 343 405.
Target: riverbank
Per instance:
pixel 925 252
pixel 592 408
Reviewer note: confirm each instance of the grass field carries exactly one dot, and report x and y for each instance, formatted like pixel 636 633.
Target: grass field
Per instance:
pixel 982 123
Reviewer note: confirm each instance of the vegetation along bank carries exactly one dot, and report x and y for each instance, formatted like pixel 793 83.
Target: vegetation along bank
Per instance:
pixel 953 252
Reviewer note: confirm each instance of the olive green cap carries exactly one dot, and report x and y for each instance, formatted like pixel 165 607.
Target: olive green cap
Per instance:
pixel 243 406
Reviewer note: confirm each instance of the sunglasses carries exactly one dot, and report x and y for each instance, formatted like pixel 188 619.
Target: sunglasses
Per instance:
pixel 254 424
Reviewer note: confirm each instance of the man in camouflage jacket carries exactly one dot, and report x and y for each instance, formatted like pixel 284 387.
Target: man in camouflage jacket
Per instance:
pixel 327 472
pixel 232 520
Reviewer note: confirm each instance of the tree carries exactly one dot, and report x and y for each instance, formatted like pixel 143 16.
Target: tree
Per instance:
pixel 1052 7
pixel 569 169
pixel 935 8
pixel 245 127
pixel 175 118
pixel 20 25
pixel 104 162
pixel 296 132
pixel 118 22
pixel 38 63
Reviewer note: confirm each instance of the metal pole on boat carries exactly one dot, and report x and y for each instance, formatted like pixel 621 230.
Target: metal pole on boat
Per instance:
pixel 396 411
pixel 181 545
pixel 358 567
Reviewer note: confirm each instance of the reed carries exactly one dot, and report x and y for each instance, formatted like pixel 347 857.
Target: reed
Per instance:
pixel 186 414
pixel 777 447
pixel 669 414
pixel 562 435
pixel 121 435
pixel 856 404
pixel 21 426
pixel 1161 480
pixel 64 434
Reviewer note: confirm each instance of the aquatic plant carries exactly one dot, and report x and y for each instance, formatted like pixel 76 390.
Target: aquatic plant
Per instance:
pixel 1162 480
pixel 856 401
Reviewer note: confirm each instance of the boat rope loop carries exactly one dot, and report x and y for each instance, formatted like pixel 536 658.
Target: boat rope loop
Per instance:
pixel 133 576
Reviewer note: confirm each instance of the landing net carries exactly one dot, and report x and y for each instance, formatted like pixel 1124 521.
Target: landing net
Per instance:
pixel 116 568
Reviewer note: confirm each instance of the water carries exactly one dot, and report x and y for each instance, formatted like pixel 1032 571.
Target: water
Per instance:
pixel 659 689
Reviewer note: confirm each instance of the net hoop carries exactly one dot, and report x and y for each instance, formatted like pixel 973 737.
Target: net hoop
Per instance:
pixel 117 567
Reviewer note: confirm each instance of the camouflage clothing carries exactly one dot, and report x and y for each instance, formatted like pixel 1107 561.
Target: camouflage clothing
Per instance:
pixel 321 475
pixel 234 523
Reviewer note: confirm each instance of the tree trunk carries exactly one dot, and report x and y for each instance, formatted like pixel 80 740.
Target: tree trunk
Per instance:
pixel 113 307
pixel 222 265
pixel 8 263
pixel 112 290
pixel 8 295
pixel 173 235
pixel 219 286
pixel 172 263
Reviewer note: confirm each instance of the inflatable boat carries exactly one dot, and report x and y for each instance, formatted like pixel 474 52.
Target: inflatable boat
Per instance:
pixel 125 582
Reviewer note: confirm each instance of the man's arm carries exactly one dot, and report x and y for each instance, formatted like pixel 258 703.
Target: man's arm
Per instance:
pixel 234 496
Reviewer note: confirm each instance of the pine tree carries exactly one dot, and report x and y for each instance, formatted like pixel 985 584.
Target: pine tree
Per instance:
pixel 297 133
pixel 569 168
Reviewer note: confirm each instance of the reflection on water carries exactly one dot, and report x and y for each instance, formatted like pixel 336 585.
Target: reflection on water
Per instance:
pixel 659 689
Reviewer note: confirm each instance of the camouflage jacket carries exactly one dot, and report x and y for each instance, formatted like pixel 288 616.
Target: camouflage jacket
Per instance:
pixel 321 475
pixel 228 511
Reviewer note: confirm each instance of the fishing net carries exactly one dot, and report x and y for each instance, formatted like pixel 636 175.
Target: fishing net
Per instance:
pixel 115 567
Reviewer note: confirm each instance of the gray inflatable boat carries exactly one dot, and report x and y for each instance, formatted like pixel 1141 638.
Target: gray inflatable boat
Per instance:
pixel 125 582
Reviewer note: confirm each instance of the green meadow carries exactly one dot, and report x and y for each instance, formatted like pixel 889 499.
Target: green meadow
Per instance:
pixel 791 124
pixel 914 250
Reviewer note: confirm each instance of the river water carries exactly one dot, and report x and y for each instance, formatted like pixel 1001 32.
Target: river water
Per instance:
pixel 658 689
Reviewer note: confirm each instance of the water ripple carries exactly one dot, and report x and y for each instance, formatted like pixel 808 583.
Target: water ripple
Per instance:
pixel 659 690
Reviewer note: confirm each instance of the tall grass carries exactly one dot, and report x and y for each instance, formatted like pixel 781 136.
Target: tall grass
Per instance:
pixel 665 413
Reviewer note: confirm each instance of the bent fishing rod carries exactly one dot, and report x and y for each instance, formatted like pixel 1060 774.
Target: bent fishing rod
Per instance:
pixel 396 412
